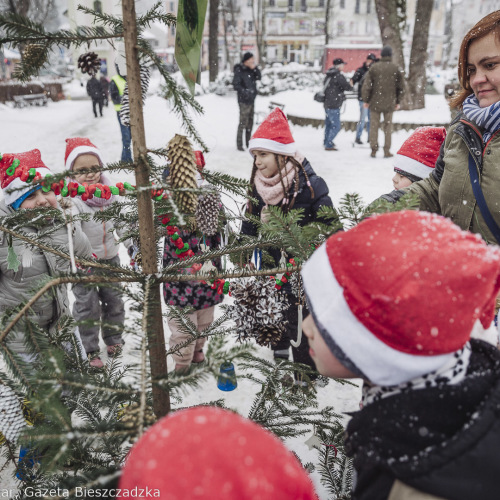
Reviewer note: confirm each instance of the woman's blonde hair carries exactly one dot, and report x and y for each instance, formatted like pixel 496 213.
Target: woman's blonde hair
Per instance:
pixel 488 24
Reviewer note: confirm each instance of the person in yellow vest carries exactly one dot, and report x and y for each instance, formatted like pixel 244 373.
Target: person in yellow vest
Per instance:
pixel 116 91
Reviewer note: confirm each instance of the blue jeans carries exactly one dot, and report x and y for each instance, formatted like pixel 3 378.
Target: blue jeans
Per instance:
pixel 332 126
pixel 364 117
pixel 126 140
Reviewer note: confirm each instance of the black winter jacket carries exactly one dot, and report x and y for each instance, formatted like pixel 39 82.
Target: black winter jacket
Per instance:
pixel 94 89
pixel 443 440
pixel 335 84
pixel 303 200
pixel 245 83
pixel 358 76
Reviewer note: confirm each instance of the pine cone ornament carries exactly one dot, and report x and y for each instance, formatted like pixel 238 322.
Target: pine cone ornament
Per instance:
pixel 295 280
pixel 257 309
pixel 207 213
pixel 125 102
pixel 269 335
pixel 35 55
pixel 11 415
pixel 183 172
pixel 89 63
pixel 130 415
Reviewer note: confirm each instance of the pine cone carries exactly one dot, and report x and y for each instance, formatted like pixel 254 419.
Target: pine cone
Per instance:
pixel 269 335
pixel 207 213
pixel 125 109
pixel 183 172
pixel 89 63
pixel 12 420
pixel 130 414
pixel 35 55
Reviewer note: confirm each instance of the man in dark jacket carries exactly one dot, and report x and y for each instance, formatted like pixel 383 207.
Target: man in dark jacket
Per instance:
pixel 94 90
pixel 364 113
pixel 335 85
pixel 382 92
pixel 245 79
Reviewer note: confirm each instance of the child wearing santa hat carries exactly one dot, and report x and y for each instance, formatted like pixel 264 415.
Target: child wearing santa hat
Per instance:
pixel 417 157
pixel 393 302
pixel 213 453
pixel 22 267
pixel 282 177
pixel 101 307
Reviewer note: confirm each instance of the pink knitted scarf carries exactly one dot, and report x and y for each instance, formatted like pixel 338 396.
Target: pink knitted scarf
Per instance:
pixel 270 188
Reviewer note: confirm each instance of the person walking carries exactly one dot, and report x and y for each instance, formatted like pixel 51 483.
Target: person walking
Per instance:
pixel 364 113
pixel 382 91
pixel 104 81
pixel 94 90
pixel 245 79
pixel 335 84
pixel 116 91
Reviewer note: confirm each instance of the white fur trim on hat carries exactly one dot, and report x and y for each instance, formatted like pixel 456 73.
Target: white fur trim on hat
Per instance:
pixel 348 338
pixel 82 150
pixel 17 187
pixel 414 167
pixel 273 146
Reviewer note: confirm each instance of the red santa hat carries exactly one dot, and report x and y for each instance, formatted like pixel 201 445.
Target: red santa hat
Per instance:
pixel 18 171
pixel 77 146
pixel 208 452
pixel 273 135
pixel 417 156
pixel 395 297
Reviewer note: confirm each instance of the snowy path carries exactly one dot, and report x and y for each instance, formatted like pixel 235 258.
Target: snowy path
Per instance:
pixel 348 170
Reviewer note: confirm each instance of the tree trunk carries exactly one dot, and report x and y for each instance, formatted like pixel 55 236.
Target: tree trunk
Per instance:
pixel 213 40
pixel 414 97
pixel 152 321
pixel 390 33
pixel 327 23
pixel 258 22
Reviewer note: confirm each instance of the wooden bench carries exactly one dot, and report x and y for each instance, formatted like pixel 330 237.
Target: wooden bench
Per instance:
pixel 21 101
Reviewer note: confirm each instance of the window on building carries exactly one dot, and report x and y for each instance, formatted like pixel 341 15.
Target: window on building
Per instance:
pixel 172 30
pixel 340 28
pixel 250 26
pixel 342 4
pixel 321 3
pixel 303 5
pixel 290 5
pixel 249 3
pixel 98 6
pixel 356 8
pixel 172 6
pixel 368 6
pixel 272 3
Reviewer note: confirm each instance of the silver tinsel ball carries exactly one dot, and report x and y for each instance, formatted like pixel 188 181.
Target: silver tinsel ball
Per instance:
pixel 11 415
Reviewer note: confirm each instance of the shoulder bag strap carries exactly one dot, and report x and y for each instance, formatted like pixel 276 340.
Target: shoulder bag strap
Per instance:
pixel 478 194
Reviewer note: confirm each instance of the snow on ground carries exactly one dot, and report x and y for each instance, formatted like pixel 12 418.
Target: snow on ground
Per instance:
pixel 349 170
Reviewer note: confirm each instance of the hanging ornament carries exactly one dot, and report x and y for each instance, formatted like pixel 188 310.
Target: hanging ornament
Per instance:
pixel 125 102
pixel 130 415
pixel 207 213
pixel 281 279
pixel 12 420
pixel 89 63
pixel 35 55
pixel 257 308
pixel 183 173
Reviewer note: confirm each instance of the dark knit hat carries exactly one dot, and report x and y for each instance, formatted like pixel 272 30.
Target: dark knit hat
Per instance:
pixel 386 51
pixel 338 61
pixel 246 56
pixel 371 56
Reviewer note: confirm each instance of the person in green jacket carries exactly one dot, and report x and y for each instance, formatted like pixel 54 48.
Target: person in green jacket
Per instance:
pixel 474 133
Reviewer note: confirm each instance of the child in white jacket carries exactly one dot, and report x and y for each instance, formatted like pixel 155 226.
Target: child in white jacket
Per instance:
pixel 96 303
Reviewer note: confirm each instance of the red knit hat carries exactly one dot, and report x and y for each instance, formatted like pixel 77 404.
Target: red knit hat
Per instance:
pixel 77 146
pixel 417 156
pixel 397 295
pixel 18 171
pixel 274 135
pixel 211 453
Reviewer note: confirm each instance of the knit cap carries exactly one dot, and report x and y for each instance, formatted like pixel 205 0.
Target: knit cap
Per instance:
pixel 417 156
pixel 396 296
pixel 77 146
pixel 273 135
pixel 213 453
pixel 18 172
